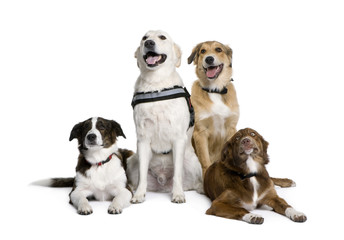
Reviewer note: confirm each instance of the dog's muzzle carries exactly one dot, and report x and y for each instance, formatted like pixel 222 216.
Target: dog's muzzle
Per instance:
pixel 153 59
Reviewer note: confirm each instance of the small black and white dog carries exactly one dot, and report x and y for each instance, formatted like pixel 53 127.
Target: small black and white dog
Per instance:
pixel 100 172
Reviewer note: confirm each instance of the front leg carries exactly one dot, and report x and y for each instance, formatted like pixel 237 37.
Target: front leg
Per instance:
pixel 145 154
pixel 200 139
pixel 78 198
pixel 121 200
pixel 280 206
pixel 178 161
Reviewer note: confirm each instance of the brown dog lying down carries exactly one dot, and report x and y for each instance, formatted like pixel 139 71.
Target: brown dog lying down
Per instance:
pixel 239 182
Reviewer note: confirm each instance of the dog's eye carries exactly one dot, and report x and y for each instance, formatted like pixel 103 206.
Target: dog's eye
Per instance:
pixel 237 138
pixel 144 38
pixel 253 134
pixel 203 51
pixel 218 49
pixel 101 127
pixel 162 37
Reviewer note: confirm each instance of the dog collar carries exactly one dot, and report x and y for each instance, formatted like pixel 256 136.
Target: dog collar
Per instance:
pixel 105 161
pixel 223 91
pixel 244 176
pixel 165 94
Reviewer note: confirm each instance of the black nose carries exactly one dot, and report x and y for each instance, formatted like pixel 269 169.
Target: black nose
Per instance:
pixel 209 60
pixel 91 137
pixel 149 44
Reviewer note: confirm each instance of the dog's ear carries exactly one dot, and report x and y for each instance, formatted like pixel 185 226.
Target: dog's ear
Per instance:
pixel 194 54
pixel 227 156
pixel 178 54
pixel 229 53
pixel 116 128
pixel 76 132
pixel 265 150
pixel 136 55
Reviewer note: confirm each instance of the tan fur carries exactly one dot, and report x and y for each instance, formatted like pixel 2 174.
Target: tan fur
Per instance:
pixel 209 136
pixel 232 194
pixel 207 142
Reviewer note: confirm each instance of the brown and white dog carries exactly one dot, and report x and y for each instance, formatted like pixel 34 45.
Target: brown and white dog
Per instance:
pixel 239 182
pixel 214 99
pixel 100 172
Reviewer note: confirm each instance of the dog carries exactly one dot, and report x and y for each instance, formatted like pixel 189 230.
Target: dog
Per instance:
pixel 163 115
pixel 239 181
pixel 214 99
pixel 215 102
pixel 100 171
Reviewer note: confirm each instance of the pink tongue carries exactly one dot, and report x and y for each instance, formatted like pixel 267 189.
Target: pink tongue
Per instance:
pixel 211 72
pixel 152 60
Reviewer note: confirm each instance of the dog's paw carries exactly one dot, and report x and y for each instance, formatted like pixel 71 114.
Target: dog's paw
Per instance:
pixel 295 215
pixel 113 209
pixel 138 198
pixel 85 209
pixel 253 218
pixel 178 198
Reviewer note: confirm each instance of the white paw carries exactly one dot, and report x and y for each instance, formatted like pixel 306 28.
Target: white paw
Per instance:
pixel 85 209
pixel 253 218
pixel 138 198
pixel 115 209
pixel 295 215
pixel 178 198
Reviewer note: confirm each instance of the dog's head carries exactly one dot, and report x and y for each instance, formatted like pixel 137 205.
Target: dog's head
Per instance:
pixel 157 50
pixel 244 144
pixel 96 133
pixel 213 61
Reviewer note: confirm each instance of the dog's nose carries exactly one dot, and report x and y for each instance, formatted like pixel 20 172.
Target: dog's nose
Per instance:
pixel 91 137
pixel 149 44
pixel 246 141
pixel 209 60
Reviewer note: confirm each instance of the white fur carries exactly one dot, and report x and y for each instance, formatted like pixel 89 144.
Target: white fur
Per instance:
pixel 249 216
pixel 162 126
pixel 252 165
pixel 95 131
pixel 292 213
pixel 104 183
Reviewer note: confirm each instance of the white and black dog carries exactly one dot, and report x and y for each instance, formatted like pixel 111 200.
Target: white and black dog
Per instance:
pixel 100 172
pixel 163 116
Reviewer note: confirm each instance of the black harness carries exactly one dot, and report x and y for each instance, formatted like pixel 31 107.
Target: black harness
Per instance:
pixel 165 94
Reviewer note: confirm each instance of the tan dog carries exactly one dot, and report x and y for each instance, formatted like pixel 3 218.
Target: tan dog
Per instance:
pixel 239 182
pixel 214 99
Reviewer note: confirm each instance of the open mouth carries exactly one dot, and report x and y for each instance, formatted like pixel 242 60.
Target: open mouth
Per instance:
pixel 153 59
pixel 213 72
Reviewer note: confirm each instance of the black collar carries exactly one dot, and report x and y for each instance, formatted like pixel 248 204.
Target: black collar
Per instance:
pixel 243 176
pixel 105 161
pixel 223 91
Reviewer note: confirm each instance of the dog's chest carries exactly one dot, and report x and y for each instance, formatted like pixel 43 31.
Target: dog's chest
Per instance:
pixel 102 180
pixel 161 120
pixel 219 112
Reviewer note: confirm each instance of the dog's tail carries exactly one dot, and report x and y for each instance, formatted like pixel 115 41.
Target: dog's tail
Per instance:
pixel 55 182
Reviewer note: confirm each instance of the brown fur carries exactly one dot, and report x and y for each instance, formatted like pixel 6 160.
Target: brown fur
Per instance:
pixel 231 192
pixel 206 142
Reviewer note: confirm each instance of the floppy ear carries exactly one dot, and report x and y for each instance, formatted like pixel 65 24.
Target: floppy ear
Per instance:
pixel 178 54
pixel 194 54
pixel 229 53
pixel 76 132
pixel 227 157
pixel 116 128
pixel 136 55
pixel 265 151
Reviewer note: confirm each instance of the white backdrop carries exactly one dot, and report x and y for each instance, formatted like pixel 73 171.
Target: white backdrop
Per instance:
pixel 64 61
